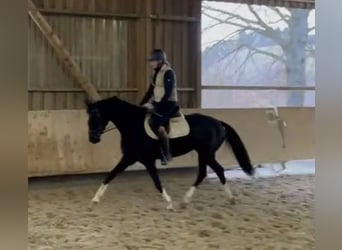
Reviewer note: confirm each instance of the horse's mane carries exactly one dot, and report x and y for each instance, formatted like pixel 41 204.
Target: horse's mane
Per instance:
pixel 114 103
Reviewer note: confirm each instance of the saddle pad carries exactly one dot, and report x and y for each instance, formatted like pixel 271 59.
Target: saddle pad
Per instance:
pixel 179 127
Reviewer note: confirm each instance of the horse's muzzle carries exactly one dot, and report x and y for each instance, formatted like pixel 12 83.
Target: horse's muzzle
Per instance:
pixel 94 139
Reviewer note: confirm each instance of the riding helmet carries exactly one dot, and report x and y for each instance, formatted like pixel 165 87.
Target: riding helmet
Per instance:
pixel 157 55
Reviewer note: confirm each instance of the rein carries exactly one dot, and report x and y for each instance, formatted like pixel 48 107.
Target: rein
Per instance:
pixel 109 129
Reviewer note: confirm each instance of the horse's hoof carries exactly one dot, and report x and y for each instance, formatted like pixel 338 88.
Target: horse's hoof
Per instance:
pixel 256 174
pixel 170 207
pixel 187 200
pixel 184 205
pixel 95 200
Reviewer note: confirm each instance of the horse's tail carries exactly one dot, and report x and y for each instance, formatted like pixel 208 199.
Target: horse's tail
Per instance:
pixel 239 149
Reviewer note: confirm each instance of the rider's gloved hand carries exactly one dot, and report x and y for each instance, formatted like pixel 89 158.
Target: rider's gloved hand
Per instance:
pixel 149 106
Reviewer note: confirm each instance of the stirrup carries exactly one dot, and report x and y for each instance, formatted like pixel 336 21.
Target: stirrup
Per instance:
pixel 164 161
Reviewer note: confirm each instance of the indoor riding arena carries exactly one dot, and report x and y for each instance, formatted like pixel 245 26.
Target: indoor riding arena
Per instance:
pixel 247 63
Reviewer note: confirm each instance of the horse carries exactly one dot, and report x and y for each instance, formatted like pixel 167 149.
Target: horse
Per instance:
pixel 206 135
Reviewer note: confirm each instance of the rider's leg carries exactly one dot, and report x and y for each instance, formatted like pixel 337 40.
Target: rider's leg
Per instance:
pixel 164 111
pixel 165 145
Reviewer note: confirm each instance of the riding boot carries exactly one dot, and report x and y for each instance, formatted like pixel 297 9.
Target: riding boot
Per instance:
pixel 165 147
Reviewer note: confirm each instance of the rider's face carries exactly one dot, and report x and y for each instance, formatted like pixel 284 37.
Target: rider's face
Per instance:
pixel 154 64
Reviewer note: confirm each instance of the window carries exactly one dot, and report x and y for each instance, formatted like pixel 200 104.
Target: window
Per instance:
pixel 257 56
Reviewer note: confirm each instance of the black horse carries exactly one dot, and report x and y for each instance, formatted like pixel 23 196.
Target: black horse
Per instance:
pixel 206 136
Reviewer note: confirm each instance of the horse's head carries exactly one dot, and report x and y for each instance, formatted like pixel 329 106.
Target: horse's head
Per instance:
pixel 97 122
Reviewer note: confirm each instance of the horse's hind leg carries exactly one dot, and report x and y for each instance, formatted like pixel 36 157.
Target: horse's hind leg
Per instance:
pixel 153 172
pixel 202 173
pixel 120 167
pixel 219 170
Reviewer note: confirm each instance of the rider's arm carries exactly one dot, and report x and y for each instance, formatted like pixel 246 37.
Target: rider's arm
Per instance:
pixel 147 95
pixel 169 83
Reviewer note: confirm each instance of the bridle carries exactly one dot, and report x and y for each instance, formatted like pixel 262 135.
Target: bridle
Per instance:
pixel 96 112
pixel 108 129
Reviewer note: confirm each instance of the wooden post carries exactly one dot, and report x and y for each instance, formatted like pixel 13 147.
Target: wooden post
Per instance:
pixel 198 53
pixel 62 53
pixel 149 35
pixel 144 44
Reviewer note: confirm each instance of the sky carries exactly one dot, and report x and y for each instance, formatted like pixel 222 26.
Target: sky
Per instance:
pixel 220 31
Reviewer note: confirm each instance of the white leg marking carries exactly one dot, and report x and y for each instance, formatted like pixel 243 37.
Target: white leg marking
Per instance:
pixel 168 200
pixel 256 174
pixel 227 190
pixel 103 190
pixel 189 194
pixel 100 192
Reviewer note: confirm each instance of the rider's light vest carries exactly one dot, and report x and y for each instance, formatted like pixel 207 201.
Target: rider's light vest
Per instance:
pixel 159 89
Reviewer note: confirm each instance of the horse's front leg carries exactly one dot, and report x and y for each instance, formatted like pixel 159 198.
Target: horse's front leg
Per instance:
pixel 152 170
pixel 119 168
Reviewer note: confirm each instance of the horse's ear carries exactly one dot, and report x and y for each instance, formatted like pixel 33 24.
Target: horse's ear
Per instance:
pixel 87 101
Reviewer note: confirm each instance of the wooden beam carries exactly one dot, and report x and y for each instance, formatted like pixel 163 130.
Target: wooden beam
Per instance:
pixel 116 15
pixel 262 87
pixel 196 9
pixel 100 90
pixel 176 18
pixel 62 53
pixel 186 89
pixel 80 90
pixel 149 34
pixel 300 1
pixel 144 44
pixel 304 4
pixel 87 13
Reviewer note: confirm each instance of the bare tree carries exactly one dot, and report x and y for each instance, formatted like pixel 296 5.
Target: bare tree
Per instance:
pixel 294 45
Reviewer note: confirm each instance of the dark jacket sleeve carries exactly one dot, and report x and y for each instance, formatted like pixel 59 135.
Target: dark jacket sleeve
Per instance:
pixel 147 95
pixel 169 83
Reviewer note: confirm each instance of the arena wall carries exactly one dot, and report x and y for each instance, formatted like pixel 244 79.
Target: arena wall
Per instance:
pixel 58 140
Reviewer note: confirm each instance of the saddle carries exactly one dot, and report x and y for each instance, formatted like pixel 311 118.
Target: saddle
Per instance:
pixel 176 127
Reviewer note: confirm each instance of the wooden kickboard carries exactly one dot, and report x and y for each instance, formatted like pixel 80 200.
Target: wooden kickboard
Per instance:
pixel 58 140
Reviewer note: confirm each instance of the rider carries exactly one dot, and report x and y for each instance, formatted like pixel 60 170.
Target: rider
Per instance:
pixel 161 97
